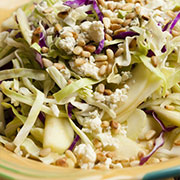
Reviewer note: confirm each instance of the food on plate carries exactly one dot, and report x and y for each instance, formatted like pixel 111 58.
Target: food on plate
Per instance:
pixel 91 84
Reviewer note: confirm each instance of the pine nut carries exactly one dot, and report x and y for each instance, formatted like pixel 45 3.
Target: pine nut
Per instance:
pixel 70 163
pixel 111 6
pixel 109 68
pixel 118 31
pixel 71 155
pixel 47 62
pixel 130 16
pixel 100 57
pixel 102 70
pixel 116 21
pixel 77 50
pixel 75 35
pixel 150 134
pixel 108 92
pixel 108 37
pixel 141 154
pixel 110 155
pixel 169 107
pixel 44 152
pixel 10 146
pixel 114 124
pixel 145 17
pixel 90 48
pixel 126 22
pixel 44 49
pixel 85 54
pixel 107 14
pixel 175 33
pixel 58 27
pixel 150 144
pixel 63 14
pixel 134 163
pixel 59 66
pixel 81 42
pixel 37 31
pixel 100 88
pixel 97 143
pixel 154 61
pixel 66 34
pixel 177 142
pixel 101 157
pixel 80 61
pixel 130 1
pixel 119 52
pixel 132 45
pixel 62 162
pixel 100 63
pixel 105 124
pixel 102 3
pixel 110 55
pixel 107 22
pixel 115 27
pixel 128 7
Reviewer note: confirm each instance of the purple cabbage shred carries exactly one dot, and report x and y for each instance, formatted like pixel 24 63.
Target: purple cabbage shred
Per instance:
pixel 150 53
pixel 41 116
pixel 100 47
pixel 177 18
pixel 76 139
pixel 70 108
pixel 163 50
pixel 39 59
pixel 42 41
pixel 123 35
pixel 159 142
pixel 166 26
pixel 77 3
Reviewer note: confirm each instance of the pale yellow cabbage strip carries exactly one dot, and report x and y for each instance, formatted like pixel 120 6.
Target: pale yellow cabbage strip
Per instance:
pixel 33 114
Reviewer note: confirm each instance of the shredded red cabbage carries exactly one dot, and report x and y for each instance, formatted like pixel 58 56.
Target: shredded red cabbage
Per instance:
pixel 177 18
pixel 89 12
pixel 166 26
pixel 77 3
pixel 159 142
pixel 100 47
pixel 42 41
pixel 70 108
pixel 123 35
pixel 150 53
pixel 76 139
pixel 41 116
pixel 163 50
pixel 39 59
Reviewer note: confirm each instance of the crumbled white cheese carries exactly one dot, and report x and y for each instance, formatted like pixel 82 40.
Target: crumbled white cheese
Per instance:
pixel 67 44
pixel 92 122
pixel 108 162
pixel 88 69
pixel 96 31
pixel 85 26
pixel 99 96
pixel 126 75
pixel 86 156
pixel 107 139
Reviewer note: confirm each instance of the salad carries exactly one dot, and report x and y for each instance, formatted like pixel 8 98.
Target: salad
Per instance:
pixel 91 84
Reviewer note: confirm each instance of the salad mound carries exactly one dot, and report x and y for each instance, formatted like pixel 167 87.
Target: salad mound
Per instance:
pixel 91 84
